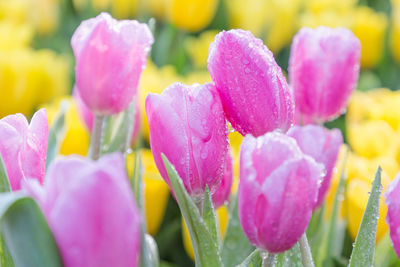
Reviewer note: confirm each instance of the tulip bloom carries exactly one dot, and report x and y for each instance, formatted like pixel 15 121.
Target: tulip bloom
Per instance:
pixel 323 146
pixel 278 188
pixel 392 199
pixel 91 211
pixel 188 125
pixel 254 93
pixel 88 117
pixel 110 56
pixel 223 190
pixel 323 71
pixel 23 147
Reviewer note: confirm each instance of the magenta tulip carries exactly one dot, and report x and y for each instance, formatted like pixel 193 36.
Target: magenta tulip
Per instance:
pixel 323 70
pixel 223 190
pixel 91 211
pixel 323 146
pixel 188 125
pixel 278 188
pixel 88 118
pixel 110 56
pixel 254 93
pixel 23 147
pixel 392 199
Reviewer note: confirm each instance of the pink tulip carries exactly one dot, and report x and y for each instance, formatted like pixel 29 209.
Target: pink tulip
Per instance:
pixel 188 125
pixel 88 117
pixel 323 71
pixel 392 199
pixel 223 190
pixel 278 188
pixel 23 147
pixel 110 56
pixel 323 146
pixel 91 211
pixel 254 93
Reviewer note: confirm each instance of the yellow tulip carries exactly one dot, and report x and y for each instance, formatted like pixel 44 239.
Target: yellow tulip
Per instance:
pixel 329 18
pixel 76 135
pixel 156 191
pixel 45 15
pixel 317 6
pixel 281 23
pixel 235 140
pixel 191 15
pixel 155 8
pixel 123 9
pixel 197 48
pixel 16 11
pixel 395 31
pixel 370 27
pixel 357 194
pixel 372 138
pixel 250 17
pixel 15 36
pixel 222 217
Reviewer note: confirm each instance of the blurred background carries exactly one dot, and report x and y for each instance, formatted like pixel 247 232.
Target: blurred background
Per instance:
pixel 37 69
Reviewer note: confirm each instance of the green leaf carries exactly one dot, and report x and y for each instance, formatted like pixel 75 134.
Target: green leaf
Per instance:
pixel 56 133
pixel 290 258
pixel 4 180
pixel 332 232
pixel 210 217
pixel 364 247
pixel 384 253
pixel 118 130
pixel 26 232
pixel 205 249
pixel 236 246
pixel 253 260
pixel 149 254
pixel 5 256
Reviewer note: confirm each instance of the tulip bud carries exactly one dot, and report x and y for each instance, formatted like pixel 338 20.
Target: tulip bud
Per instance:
pixel 91 211
pixel 223 190
pixel 323 71
pixel 110 56
pixel 254 93
pixel 323 146
pixel 187 124
pixel 23 147
pixel 278 188
pixel 392 199
pixel 88 117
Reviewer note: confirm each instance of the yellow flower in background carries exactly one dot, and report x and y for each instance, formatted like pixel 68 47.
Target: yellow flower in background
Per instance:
pixel 16 11
pixel 123 9
pixel 222 216
pixel 200 77
pixel 76 135
pixel 281 23
pixel 156 191
pixel 30 78
pixel 329 18
pixel 197 47
pixel 155 8
pixel 395 31
pixel 44 15
pixel 251 17
pixel 15 36
pixel 370 27
pixel 235 140
pixel 52 73
pixel 317 6
pixel 191 15
pixel 372 138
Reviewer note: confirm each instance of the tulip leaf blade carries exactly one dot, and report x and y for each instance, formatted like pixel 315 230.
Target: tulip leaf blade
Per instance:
pixel 326 253
pixel 364 246
pixel 236 247
pixel 205 249
pixel 209 216
pixel 56 133
pixel 290 258
pixel 253 260
pixel 4 180
pixel 385 255
pixel 26 232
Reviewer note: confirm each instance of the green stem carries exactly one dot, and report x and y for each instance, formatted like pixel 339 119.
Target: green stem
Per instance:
pixel 269 260
pixel 306 256
pixel 95 140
